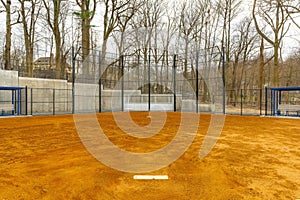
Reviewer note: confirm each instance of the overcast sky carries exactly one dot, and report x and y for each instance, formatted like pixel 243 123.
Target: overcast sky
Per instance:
pixel 291 41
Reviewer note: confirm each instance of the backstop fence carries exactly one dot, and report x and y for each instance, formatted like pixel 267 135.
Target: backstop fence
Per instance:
pixel 145 81
pixel 50 101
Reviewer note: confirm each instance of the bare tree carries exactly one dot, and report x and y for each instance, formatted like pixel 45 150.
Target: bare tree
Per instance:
pixel 113 10
pixel 53 16
pixel 229 10
pixel 86 14
pixel 291 71
pixel 189 18
pixel 29 16
pixel 292 8
pixel 7 54
pixel 169 30
pixel 272 13
pixel 123 23
pixel 144 27
pixel 242 50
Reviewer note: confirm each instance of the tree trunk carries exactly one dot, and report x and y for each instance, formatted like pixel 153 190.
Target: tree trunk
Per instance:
pixel 85 39
pixel 276 65
pixel 261 69
pixel 28 38
pixel 186 49
pixel 103 67
pixel 8 36
pixel 233 93
pixel 261 64
pixel 121 51
pixel 58 69
pixel 57 37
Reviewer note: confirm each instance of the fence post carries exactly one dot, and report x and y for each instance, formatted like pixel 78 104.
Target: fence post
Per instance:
pixel 197 81
pixel 73 80
pixel 260 101
pixel 279 98
pixel 174 80
pixel 26 100
pixel 149 82
pixel 224 80
pixel 241 101
pixel 19 102
pixel 266 101
pixel 53 102
pixel 276 99
pixel 272 102
pixel 122 89
pixel 73 76
pixel 13 101
pixel 100 80
pixel 31 99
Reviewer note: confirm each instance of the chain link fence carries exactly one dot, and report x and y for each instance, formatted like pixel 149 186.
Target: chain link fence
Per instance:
pixel 149 82
pixel 142 81
pixel 49 101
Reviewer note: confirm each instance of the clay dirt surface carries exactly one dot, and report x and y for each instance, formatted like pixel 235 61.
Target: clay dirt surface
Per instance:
pixel 254 158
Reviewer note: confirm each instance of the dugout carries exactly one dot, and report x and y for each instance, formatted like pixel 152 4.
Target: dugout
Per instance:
pixel 285 101
pixel 11 100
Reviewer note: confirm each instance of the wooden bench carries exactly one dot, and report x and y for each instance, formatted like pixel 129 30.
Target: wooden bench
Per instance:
pixel 7 107
pixel 287 109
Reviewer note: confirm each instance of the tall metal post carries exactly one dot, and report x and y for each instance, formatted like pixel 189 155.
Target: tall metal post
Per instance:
pixel 197 81
pixel 174 80
pixel 31 100
pixel 275 102
pixel 272 102
pixel 53 102
pixel 13 101
pixel 26 100
pixel 260 101
pixel 122 89
pixel 100 80
pixel 242 101
pixel 149 83
pixel 19 101
pixel 266 101
pixel 279 97
pixel 224 80
pixel 73 80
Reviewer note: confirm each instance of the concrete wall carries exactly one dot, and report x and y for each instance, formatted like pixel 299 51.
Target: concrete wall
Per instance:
pixel 42 92
pixel 44 83
pixel 86 99
pixel 7 78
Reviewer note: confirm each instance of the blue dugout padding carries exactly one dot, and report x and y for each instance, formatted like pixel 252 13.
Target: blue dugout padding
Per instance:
pixel 15 99
pixel 277 98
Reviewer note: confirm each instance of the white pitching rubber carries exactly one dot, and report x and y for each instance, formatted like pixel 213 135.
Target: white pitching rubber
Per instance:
pixel 151 177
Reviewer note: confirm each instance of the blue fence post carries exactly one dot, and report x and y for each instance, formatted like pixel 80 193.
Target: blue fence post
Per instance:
pixel 266 101
pixel 13 101
pixel 19 102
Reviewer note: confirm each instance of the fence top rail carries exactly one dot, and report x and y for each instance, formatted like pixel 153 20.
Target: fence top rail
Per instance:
pixel 40 88
pixel 286 88
pixel 12 88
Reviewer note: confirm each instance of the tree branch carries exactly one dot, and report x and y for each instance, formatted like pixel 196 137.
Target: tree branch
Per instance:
pixel 257 26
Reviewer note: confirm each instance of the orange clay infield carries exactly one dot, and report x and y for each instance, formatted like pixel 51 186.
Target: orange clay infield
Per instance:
pixel 254 158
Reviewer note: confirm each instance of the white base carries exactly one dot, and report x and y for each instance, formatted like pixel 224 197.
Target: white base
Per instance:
pixel 151 177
